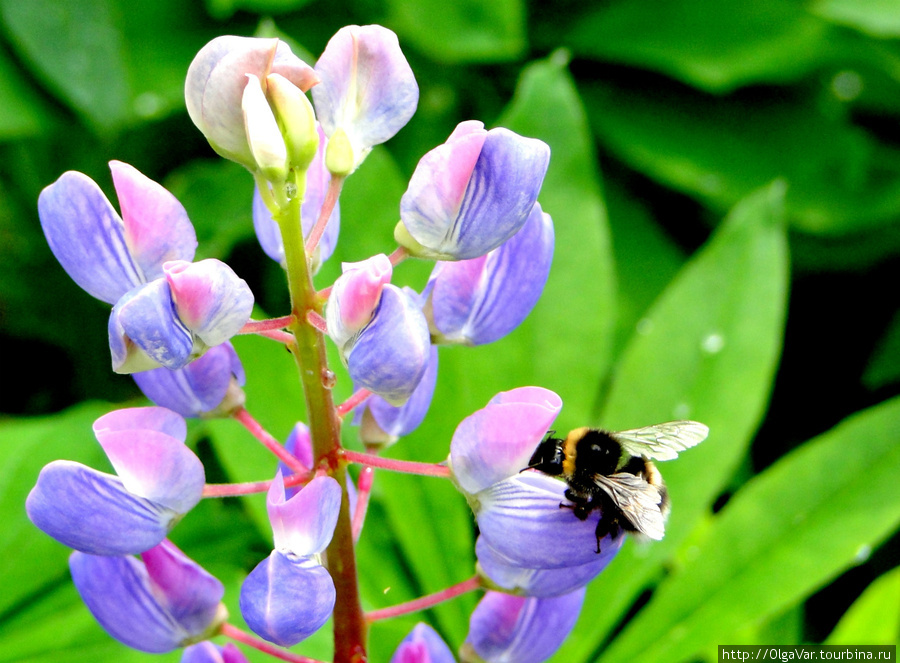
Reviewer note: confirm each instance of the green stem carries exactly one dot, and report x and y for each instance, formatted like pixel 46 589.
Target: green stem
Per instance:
pixel 350 627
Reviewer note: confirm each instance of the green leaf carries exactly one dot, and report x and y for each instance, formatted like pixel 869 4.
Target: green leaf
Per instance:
pixel 884 365
pixel 878 18
pixel 717 46
pixel 77 49
pixel 815 513
pixel 720 149
pixel 874 618
pixel 22 113
pixel 461 31
pixel 222 9
pixel 706 350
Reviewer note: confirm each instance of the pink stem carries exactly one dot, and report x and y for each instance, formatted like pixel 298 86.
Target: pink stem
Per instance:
pixel 407 466
pixel 251 487
pixel 235 633
pixel 363 492
pixel 331 197
pixel 257 326
pixel 323 293
pixel 399 255
pixel 316 321
pixel 270 442
pixel 359 397
pixel 453 591
pixel 276 335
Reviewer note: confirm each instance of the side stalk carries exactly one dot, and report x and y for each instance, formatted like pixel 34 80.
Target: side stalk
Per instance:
pixel 350 626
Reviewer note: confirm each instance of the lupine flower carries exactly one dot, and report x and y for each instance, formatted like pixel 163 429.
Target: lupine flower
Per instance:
pixel 207 652
pixel 471 194
pixel 159 480
pixel 299 444
pixel 367 91
pixel 379 329
pixel 290 595
pixel 480 300
pixel 215 84
pixel 518 512
pixel 317 181
pixel 207 387
pixel 515 629
pixel 156 604
pixel 423 645
pixel 382 424
pixel 167 311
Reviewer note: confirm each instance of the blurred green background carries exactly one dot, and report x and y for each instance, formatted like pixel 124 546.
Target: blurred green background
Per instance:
pixel 725 184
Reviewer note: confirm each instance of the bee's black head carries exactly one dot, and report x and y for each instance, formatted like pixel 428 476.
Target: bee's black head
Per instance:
pixel 548 457
pixel 598 452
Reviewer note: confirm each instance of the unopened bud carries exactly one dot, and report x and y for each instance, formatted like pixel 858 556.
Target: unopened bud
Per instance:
pixel 339 154
pixel 296 118
pixel 263 135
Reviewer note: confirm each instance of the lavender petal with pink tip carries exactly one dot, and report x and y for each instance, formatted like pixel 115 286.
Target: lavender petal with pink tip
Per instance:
pixel 423 645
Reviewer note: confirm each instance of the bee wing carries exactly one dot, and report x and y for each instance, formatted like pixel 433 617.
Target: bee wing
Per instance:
pixel 662 441
pixel 638 501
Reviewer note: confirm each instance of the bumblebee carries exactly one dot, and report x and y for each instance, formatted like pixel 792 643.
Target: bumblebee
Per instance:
pixel 612 471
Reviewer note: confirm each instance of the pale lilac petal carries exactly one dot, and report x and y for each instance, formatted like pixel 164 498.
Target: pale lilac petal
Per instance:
pixel 263 134
pixel 119 593
pixel 88 237
pixel 146 317
pixel 423 645
pixel 285 599
pixel 515 629
pixel 267 231
pixel 215 85
pixel 521 519
pixel 481 300
pixel 184 589
pixel 391 354
pixel 156 466
pixel 211 300
pixel 500 191
pixel 299 443
pixel 498 441
pixel 397 422
pixel 93 512
pixel 207 652
pixel 367 87
pixel 542 583
pixel 199 388
pixel 157 419
pixel 354 298
pixel 303 525
pixel 157 227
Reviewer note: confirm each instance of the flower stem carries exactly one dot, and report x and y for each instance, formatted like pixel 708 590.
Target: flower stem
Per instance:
pixel 363 492
pixel 235 633
pixel 424 602
pixel 251 487
pixel 406 466
pixel 350 627
pixel 256 326
pixel 315 319
pixel 286 338
pixel 331 197
pixel 356 399
pixel 270 442
pixel 399 255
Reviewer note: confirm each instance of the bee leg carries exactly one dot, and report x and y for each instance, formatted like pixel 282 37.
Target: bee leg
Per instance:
pixel 606 527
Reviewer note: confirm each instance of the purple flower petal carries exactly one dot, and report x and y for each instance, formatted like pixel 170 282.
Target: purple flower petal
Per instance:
pixel 390 356
pixel 367 87
pixel 497 441
pixel 499 189
pixel 286 599
pixel 211 300
pixel 156 467
pixel 521 519
pixel 506 628
pixel 183 588
pixel 215 85
pixel 156 225
pixel 303 525
pixel 88 237
pixel 199 389
pixel 481 300
pixel 395 422
pixel 354 298
pixel 157 419
pixel 92 511
pixel 207 652
pixel 146 328
pixel 542 583
pixel 423 645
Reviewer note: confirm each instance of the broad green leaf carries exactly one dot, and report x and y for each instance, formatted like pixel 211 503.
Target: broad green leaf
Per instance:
pixel 462 31
pixel 874 618
pixel 879 18
pixel 225 8
pixel 812 515
pixel 23 113
pixel 77 48
pixel 706 350
pixel 716 46
pixel 720 149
